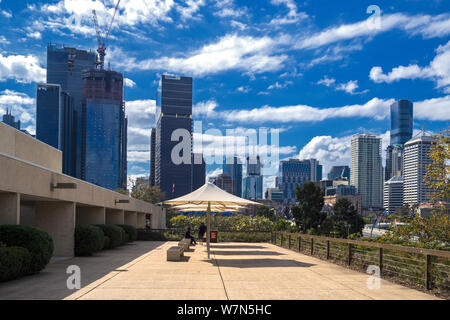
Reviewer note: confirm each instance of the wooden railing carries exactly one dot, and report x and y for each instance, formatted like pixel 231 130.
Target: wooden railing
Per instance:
pixel 424 268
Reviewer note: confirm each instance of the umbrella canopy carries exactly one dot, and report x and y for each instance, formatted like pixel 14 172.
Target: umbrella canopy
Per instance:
pixel 210 194
pixel 205 206
pixel 207 198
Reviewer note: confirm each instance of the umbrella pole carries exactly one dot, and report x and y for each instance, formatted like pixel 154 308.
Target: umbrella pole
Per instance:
pixel 208 228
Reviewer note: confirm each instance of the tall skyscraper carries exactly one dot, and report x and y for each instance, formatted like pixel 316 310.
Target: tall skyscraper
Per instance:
pixel 393 194
pixel 339 172
pixel 401 122
pixel 64 67
pixel 104 134
pixel 416 159
pixel 401 131
pixel 253 182
pixel 233 166
pixel 54 121
pixel 174 111
pixel 48 104
pixel 367 171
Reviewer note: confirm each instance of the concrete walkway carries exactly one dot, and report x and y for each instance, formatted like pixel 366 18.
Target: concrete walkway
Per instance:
pixel 237 271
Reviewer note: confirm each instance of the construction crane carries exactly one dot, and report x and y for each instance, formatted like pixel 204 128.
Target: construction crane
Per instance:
pixel 102 40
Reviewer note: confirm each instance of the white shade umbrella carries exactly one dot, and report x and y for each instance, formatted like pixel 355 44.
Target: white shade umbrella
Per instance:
pixel 207 197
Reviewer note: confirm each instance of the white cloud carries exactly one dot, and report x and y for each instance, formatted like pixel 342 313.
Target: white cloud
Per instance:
pixel 204 108
pixel 6 14
pixel 348 87
pixel 427 26
pixel 213 173
pixel 129 83
pixel 23 69
pixel 3 40
pixel 231 52
pixel 243 89
pixel 76 15
pixel 35 35
pixel 141 118
pixel 438 70
pixel 190 9
pixel 293 16
pixel 278 85
pixel 327 81
pixel 227 9
pixel 436 109
pixel 374 108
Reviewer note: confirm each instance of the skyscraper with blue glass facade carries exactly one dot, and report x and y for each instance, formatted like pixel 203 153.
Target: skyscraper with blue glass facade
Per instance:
pixel 64 67
pixel 401 122
pixel 104 134
pixel 233 167
pixel 401 132
pixel 54 121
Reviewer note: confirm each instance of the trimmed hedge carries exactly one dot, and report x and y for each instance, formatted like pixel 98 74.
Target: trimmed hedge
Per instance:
pixel 14 262
pixel 114 233
pixel 131 232
pixel 144 235
pixel 88 239
pixel 124 235
pixel 36 241
pixel 106 242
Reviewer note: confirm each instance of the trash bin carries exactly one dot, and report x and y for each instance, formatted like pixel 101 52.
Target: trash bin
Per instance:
pixel 213 236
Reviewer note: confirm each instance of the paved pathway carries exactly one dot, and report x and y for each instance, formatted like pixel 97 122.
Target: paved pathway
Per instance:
pixel 237 271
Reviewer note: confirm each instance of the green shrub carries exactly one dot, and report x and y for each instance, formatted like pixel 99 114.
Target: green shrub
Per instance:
pixel 36 241
pixel 124 235
pixel 106 242
pixel 14 262
pixel 114 233
pixel 144 235
pixel 131 232
pixel 88 239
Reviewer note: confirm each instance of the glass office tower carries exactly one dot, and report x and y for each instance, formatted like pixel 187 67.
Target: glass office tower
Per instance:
pixel 104 135
pixel 401 132
pixel 48 101
pixel 174 111
pixel 401 122
pixel 55 123
pixel 233 166
pixel 64 66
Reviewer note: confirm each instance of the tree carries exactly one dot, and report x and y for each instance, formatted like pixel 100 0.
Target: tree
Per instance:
pixel 146 193
pixel 307 214
pixel 346 219
pixel 437 175
pixel 267 212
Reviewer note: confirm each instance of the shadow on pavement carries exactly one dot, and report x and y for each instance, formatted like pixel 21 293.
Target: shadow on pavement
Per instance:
pixel 259 263
pixel 246 253
pixel 51 283
pixel 216 246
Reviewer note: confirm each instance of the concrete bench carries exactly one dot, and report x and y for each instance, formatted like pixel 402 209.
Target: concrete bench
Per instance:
pixel 174 253
pixel 185 243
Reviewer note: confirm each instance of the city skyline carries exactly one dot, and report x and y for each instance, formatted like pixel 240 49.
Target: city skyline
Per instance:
pixel 318 88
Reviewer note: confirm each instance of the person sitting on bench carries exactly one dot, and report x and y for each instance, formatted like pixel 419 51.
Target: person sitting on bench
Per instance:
pixel 189 236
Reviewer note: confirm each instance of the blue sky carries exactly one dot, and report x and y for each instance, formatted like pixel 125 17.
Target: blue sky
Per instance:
pixel 319 71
